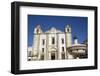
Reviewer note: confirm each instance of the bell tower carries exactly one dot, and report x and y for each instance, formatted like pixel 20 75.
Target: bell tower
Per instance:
pixel 68 36
pixel 37 30
pixel 36 42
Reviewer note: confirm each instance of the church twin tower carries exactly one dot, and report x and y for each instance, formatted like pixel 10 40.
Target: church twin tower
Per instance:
pixel 51 44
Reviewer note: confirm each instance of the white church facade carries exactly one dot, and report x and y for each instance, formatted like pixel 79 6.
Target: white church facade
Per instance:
pixel 55 44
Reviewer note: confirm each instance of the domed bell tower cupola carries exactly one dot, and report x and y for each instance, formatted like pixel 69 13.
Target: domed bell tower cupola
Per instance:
pixel 68 29
pixel 37 30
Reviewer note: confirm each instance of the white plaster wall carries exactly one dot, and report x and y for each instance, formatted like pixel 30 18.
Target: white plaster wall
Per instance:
pixel 50 40
pixel 42 36
pixel 60 45
pixel 35 43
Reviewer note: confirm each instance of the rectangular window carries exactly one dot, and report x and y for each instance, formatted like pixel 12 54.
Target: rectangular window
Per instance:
pixel 62 48
pixel 42 57
pixel 53 40
pixel 42 50
pixel 62 41
pixel 63 56
pixel 43 42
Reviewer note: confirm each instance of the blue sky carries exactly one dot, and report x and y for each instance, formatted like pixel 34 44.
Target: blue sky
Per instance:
pixel 78 24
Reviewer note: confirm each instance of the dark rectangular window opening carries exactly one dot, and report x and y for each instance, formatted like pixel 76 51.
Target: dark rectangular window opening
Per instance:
pixel 53 40
pixel 62 41
pixel 43 50
pixel 62 48
pixel 43 42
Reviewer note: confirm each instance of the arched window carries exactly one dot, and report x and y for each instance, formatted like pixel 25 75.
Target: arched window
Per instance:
pixel 68 29
pixel 37 30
